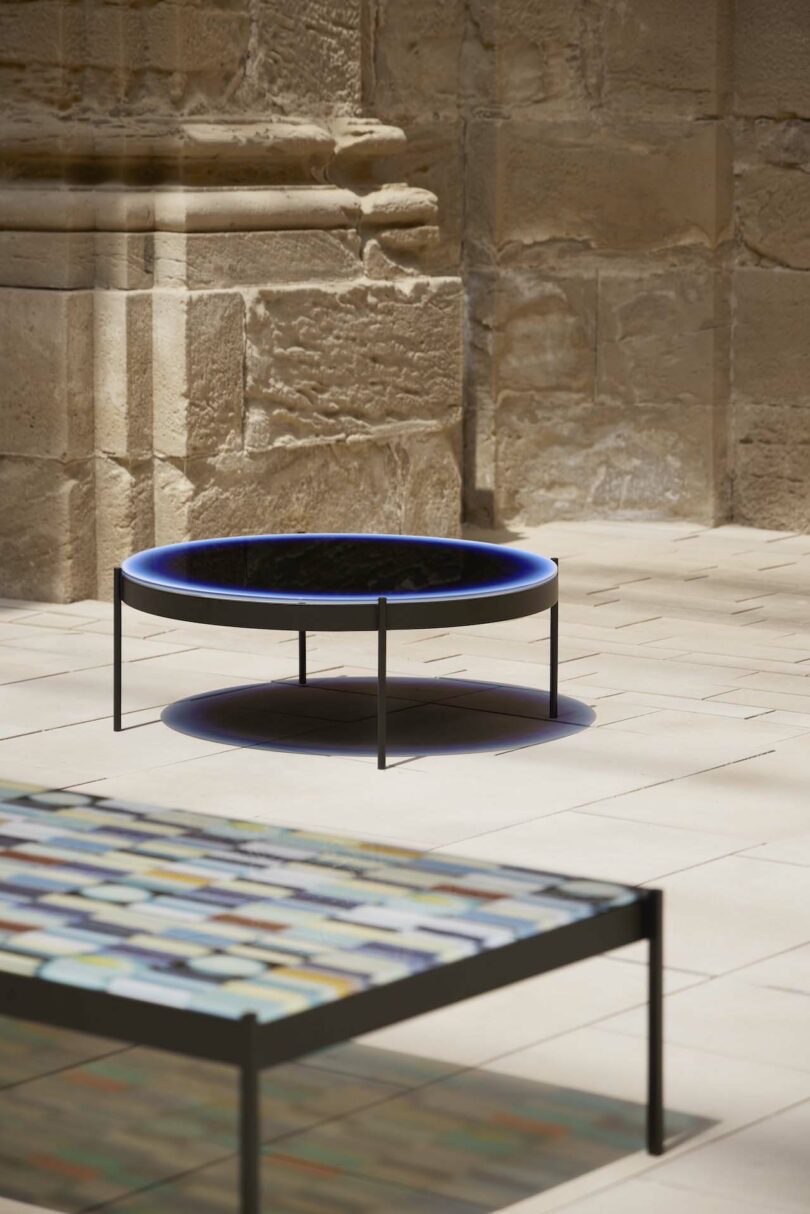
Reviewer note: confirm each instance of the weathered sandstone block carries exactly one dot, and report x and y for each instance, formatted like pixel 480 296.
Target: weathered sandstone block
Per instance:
pixel 224 259
pixel 162 54
pixel 348 360
pixel 526 55
pixel 32 32
pixel 124 514
pixel 113 42
pixel 46 352
pixel 308 55
pixel 545 332
pixel 204 39
pixel 771 387
pixel 123 373
pixel 773 208
pixel 657 57
pixel 480 394
pixel 565 57
pixel 53 260
pixel 562 458
pixel 772 58
pixel 772 466
pixel 430 482
pixel 198 344
pixel 418 56
pixel 771 354
pixel 408 483
pixel 47 529
pixel 124 261
pixel 657 337
pixel 32 50
pixel 639 190
pixel 75 260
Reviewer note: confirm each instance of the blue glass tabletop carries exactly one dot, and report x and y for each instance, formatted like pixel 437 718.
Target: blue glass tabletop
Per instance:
pixel 339 568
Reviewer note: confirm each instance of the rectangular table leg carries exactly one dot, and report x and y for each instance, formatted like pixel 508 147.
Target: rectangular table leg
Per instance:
pixel 655 1026
pixel 249 1124
pixel 117 649
pixel 381 678
pixel 554 656
pixel 302 658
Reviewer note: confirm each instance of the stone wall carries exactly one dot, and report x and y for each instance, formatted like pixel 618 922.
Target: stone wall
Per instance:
pixel 213 319
pixel 771 267
pixel 625 186
pixel 218 314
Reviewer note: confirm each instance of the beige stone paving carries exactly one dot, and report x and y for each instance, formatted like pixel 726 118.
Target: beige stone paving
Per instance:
pixel 681 759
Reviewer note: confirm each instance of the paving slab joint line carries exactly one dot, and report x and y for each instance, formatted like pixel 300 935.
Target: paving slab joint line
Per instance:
pixel 614 796
pixel 690 1149
pixel 69 1066
pixel 152 657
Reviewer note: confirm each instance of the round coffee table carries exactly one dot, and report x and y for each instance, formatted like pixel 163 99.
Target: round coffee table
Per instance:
pixel 337 582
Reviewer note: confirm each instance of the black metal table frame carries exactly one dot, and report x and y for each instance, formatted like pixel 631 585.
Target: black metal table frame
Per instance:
pixel 381 617
pixel 252 1046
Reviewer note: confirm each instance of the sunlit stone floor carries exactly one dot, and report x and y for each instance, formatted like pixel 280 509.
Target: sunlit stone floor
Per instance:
pixel 681 759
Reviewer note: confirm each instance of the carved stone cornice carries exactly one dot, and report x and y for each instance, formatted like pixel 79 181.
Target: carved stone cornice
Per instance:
pixel 66 208
pixel 194 150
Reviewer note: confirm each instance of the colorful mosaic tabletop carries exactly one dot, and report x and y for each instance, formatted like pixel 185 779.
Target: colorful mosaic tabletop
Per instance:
pixel 224 916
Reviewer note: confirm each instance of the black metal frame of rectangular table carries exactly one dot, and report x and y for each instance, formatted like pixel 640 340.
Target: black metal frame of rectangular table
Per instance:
pixel 381 625
pixel 253 1046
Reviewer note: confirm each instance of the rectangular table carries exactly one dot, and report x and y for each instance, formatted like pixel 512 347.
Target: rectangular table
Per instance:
pixel 253 945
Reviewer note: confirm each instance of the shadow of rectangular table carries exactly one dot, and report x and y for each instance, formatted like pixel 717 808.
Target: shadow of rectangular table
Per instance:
pixel 255 945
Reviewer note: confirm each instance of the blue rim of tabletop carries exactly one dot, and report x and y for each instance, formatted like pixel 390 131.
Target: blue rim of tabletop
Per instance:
pixel 530 588
pixel 529 570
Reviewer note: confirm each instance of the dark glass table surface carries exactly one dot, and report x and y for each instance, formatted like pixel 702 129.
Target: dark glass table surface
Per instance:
pixel 353 567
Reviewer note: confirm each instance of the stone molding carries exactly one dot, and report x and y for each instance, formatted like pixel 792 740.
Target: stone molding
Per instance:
pixel 68 208
pixel 295 138
pixel 309 149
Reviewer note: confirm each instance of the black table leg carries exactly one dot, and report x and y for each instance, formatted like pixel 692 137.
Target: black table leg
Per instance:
pixel 249 1123
pixel 302 658
pixel 117 649
pixel 381 677
pixel 655 1026
pixel 554 656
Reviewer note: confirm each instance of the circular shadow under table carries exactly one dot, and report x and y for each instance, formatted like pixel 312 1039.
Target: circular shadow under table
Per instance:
pixel 338 716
